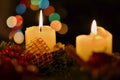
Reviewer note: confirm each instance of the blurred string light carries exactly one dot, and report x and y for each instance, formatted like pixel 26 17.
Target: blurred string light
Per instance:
pixel 44 4
pixel 34 7
pixel 11 21
pixel 64 29
pixel 21 8
pixel 16 22
pixel 19 20
pixel 11 34
pixel 56 25
pixel 18 37
pixel 62 12
pixel 54 16
pixel 35 2
pixel 26 3
pixel 49 10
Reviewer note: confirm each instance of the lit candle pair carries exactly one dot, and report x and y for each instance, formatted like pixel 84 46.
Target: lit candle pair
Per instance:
pixel 99 40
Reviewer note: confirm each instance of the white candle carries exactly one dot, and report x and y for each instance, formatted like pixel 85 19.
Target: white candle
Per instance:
pixel 46 33
pixel 99 40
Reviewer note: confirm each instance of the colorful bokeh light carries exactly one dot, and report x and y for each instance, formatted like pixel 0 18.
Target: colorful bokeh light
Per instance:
pixel 20 9
pixel 17 28
pixel 54 16
pixel 11 21
pixel 56 25
pixel 35 2
pixel 19 37
pixel 49 10
pixel 44 4
pixel 11 35
pixel 64 29
pixel 19 20
pixel 34 7
pixel 26 2
pixel 62 12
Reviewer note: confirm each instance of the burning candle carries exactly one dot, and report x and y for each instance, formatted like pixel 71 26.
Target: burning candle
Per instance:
pixel 46 33
pixel 99 40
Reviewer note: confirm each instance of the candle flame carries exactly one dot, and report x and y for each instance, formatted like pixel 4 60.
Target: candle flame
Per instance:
pixel 40 20
pixel 94 27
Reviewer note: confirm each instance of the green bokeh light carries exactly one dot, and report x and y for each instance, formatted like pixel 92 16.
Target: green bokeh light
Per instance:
pixel 54 16
pixel 35 2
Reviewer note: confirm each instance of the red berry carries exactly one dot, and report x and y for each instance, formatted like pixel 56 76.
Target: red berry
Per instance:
pixel 29 56
pixel 99 59
pixel 6 52
pixel 20 62
pixel 17 55
pixel 3 52
pixel 16 48
pixel 11 53
pixel 9 48
pixel 23 57
pixel 26 63
pixel 5 59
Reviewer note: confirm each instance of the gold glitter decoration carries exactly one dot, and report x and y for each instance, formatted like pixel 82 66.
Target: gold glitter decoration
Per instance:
pixel 40 51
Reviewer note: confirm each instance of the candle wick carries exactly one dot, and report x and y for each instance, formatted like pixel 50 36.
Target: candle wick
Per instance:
pixel 93 34
pixel 40 29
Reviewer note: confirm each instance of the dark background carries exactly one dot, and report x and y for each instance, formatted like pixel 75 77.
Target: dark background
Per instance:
pixel 80 14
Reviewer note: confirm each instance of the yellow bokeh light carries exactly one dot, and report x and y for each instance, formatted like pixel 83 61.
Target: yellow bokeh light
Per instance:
pixel 64 29
pixel 56 25
pixel 34 7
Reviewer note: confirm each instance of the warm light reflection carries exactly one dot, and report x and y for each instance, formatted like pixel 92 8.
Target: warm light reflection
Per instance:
pixel 94 27
pixel 40 20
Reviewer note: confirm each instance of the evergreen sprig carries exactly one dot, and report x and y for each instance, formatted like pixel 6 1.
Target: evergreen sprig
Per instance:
pixel 63 65
pixel 3 44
